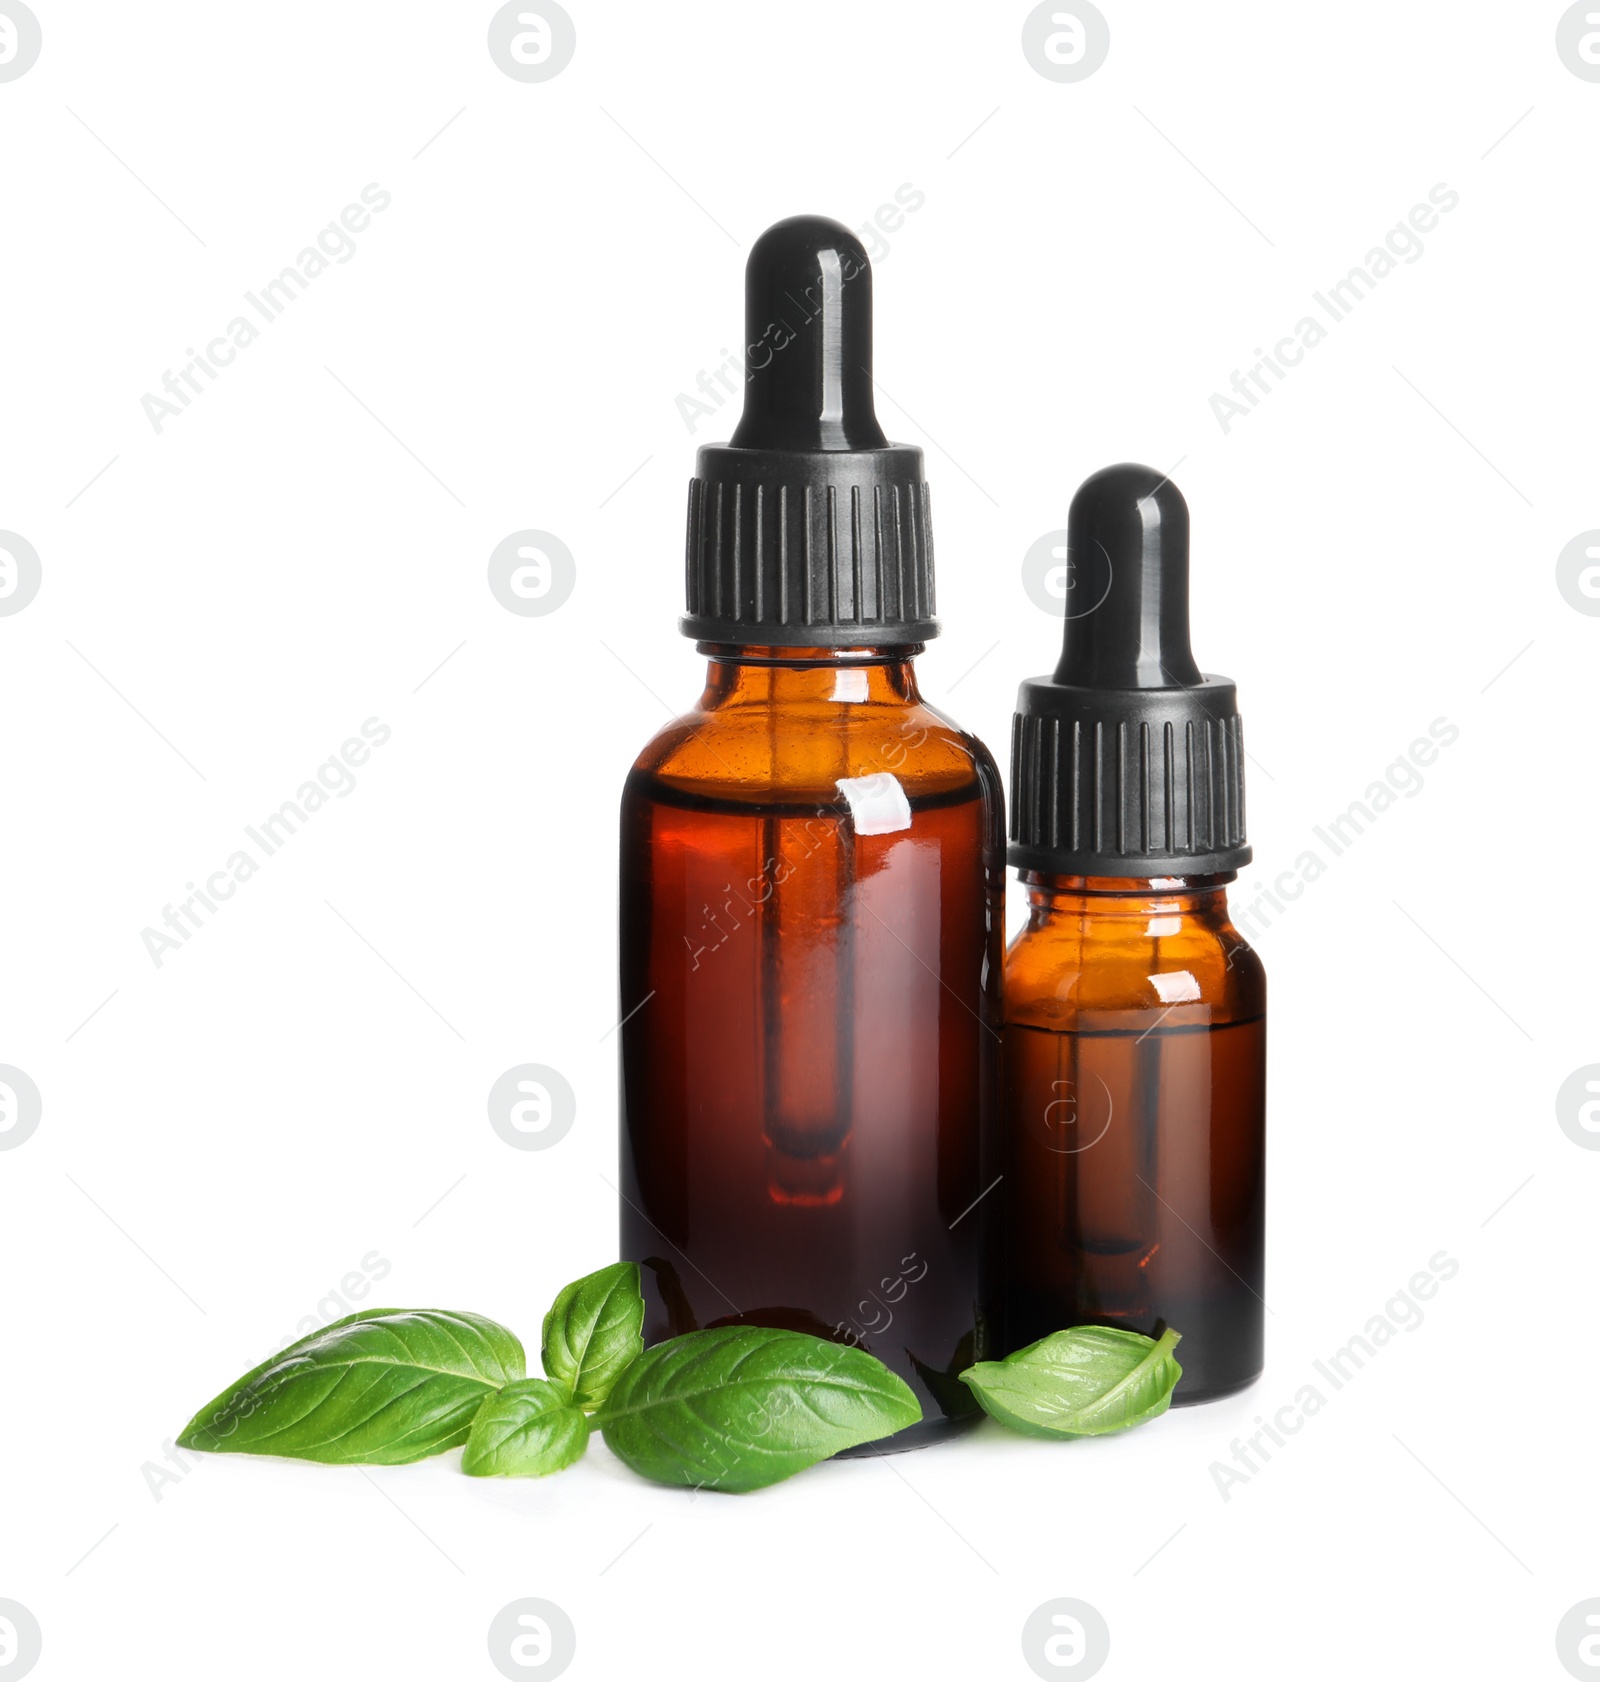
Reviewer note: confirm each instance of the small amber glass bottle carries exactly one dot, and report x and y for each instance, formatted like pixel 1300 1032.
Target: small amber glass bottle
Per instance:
pixel 1135 1036
pixel 812 882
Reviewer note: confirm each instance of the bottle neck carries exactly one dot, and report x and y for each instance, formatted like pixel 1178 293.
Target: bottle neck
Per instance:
pixel 736 673
pixel 1074 897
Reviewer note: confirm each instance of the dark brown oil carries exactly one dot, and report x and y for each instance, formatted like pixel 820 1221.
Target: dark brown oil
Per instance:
pixel 1137 1187
pixel 809 1067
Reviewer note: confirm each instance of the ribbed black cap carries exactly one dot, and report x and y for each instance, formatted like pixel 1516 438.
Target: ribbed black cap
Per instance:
pixel 1128 761
pixel 809 528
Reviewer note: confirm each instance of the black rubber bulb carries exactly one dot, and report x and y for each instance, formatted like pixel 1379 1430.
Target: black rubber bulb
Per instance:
pixel 808 341
pixel 1128 597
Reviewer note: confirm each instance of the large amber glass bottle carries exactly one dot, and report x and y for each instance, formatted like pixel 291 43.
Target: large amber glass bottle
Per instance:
pixel 811 889
pixel 1135 1037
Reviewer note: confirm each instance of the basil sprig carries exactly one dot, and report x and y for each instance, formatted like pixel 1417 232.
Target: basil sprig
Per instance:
pixel 1087 1381
pixel 734 1407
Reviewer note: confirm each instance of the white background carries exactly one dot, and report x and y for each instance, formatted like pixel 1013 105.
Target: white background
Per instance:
pixel 229 1134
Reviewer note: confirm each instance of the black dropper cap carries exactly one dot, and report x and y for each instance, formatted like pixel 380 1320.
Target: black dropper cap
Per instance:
pixel 1128 761
pixel 809 528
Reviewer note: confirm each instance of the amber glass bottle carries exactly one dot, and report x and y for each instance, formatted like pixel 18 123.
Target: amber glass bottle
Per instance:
pixel 811 890
pixel 1135 1071
pixel 1135 1037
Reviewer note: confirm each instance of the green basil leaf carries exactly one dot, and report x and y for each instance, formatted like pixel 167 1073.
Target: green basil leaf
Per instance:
pixel 1087 1381
pixel 593 1330
pixel 530 1428
pixel 739 1407
pixel 378 1388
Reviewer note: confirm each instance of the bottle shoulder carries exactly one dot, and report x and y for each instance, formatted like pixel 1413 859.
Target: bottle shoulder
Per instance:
pixel 805 748
pixel 1063 972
